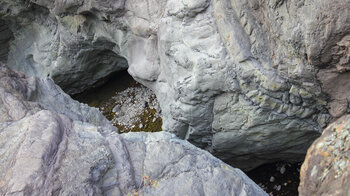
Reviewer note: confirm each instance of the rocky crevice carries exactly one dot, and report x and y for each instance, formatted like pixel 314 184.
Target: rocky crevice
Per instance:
pixel 5 37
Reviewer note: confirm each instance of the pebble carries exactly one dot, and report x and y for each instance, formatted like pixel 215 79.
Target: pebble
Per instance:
pixel 272 179
pixel 116 109
pixel 283 169
pixel 277 187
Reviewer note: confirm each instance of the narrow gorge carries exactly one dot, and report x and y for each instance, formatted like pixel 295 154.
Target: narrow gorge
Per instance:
pixel 168 97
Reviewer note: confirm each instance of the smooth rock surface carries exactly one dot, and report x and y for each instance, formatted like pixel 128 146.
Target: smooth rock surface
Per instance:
pixel 250 81
pixel 53 145
pixel 326 169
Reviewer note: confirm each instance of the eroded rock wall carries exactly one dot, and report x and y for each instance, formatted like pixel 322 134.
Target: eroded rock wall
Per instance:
pixel 49 43
pixel 53 145
pixel 243 77
pixel 251 81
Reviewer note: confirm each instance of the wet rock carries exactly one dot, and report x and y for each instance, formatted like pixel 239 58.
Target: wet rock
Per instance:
pixel 326 169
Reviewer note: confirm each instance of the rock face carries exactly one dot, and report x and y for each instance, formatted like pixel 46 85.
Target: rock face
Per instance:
pixel 52 145
pixel 251 81
pixel 46 45
pixel 326 169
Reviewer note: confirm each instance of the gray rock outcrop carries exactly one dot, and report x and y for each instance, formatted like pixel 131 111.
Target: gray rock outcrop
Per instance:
pixel 53 145
pixel 250 81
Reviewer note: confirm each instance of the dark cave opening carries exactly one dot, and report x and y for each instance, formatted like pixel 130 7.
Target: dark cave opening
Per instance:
pixel 117 82
pixel 6 36
pixel 277 179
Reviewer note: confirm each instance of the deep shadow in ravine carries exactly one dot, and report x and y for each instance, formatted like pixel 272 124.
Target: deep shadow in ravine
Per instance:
pixel 117 83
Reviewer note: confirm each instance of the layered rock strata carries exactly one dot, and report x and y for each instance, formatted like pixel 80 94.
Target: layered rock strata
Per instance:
pixel 250 81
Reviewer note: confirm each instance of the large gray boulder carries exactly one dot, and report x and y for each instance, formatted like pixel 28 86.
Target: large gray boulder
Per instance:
pixel 53 145
pixel 251 81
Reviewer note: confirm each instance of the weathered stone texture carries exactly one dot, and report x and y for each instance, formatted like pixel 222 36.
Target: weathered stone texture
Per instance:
pixel 231 76
pixel 326 169
pixel 53 145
